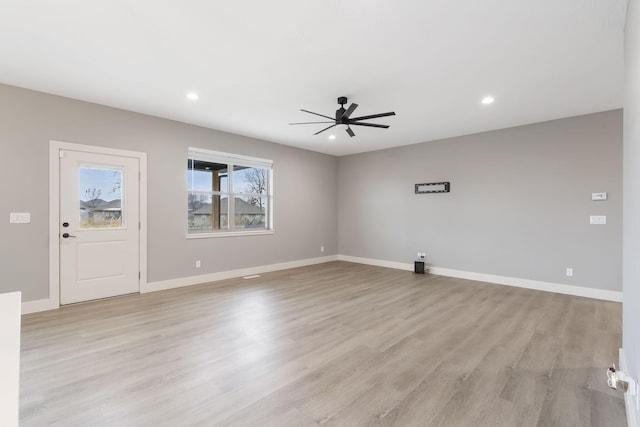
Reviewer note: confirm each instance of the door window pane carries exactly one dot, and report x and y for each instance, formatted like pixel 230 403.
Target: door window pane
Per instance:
pixel 100 197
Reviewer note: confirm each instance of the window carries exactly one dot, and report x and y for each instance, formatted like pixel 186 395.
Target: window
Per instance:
pixel 228 194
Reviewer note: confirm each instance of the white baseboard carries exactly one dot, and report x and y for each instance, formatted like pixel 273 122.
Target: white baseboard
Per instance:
pixel 632 411
pixel 231 274
pixel 532 284
pixel 39 305
pixel 48 304
pixel 500 280
pixel 377 262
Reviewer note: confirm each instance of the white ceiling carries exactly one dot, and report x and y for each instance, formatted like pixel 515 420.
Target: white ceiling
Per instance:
pixel 255 63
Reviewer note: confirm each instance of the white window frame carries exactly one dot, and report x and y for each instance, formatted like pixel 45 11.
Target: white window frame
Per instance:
pixel 232 160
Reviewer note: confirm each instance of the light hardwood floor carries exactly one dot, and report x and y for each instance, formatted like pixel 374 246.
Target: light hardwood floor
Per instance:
pixel 335 344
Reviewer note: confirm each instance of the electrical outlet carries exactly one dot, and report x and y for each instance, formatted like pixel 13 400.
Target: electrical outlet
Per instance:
pixel 321 248
pixel 198 263
pixel 418 256
pixel 569 271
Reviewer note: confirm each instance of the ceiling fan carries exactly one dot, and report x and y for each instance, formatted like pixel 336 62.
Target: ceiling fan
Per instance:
pixel 343 117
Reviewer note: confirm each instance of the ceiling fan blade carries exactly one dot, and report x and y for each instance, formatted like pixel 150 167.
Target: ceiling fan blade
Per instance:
pixel 350 110
pixel 373 116
pixel 350 132
pixel 317 114
pixel 373 125
pixel 325 129
pixel 308 123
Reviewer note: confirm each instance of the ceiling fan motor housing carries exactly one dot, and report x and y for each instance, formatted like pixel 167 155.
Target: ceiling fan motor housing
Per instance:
pixel 340 119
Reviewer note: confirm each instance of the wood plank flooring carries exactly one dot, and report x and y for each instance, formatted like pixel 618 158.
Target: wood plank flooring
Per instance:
pixel 335 344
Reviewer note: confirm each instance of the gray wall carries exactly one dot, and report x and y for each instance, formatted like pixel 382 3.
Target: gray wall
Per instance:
pixel 305 190
pixel 631 245
pixel 519 204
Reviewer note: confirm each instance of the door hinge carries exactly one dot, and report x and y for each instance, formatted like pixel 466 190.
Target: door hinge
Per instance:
pixel 139 226
pixel 60 154
pixel 139 275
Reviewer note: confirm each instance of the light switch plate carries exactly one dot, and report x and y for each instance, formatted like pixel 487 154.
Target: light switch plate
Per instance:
pixel 597 219
pixel 598 196
pixel 19 217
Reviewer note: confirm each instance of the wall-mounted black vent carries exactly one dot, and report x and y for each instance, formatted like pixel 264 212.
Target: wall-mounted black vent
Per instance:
pixel 433 187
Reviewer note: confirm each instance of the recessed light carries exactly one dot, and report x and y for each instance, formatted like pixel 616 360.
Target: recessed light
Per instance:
pixel 332 137
pixel 192 96
pixel 488 100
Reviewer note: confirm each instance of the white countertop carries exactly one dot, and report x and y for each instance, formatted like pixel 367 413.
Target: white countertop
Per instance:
pixel 9 358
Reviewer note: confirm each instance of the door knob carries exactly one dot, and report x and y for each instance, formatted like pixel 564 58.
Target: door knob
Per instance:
pixel 67 235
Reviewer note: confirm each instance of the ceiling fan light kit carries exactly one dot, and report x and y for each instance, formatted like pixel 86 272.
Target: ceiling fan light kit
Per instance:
pixel 343 117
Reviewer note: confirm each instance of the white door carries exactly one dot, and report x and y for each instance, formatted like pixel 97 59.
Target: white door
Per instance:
pixel 99 226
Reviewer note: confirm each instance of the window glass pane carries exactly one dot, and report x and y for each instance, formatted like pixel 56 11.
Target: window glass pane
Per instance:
pixel 207 176
pixel 207 212
pixel 227 192
pixel 249 180
pixel 250 212
pixel 100 197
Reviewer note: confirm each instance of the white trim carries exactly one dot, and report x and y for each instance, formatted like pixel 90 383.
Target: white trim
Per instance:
pixel 142 235
pixel 500 280
pixel 559 288
pixel 48 304
pixel 232 274
pixel 229 234
pixel 376 262
pixel 632 411
pixel 39 305
pixel 53 301
pixel 54 244
pixel 220 157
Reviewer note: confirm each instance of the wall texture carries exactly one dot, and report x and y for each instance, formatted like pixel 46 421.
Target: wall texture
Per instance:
pixel 519 204
pixel 631 245
pixel 305 190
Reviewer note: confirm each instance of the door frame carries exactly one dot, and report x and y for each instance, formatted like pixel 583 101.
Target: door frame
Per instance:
pixel 54 210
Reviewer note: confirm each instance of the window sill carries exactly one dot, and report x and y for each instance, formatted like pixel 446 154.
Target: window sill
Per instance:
pixel 229 234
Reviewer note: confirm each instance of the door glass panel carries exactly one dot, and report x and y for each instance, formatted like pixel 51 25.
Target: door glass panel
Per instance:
pixel 100 197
